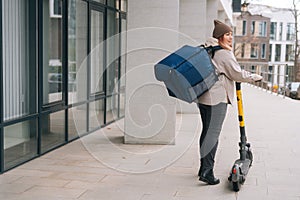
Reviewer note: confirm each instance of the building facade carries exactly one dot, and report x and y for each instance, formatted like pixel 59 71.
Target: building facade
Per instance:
pixel 280 42
pixel 59 76
pixel 64 65
pixel 252 38
pixel 282 47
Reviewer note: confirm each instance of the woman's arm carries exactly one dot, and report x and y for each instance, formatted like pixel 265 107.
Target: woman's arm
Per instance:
pixel 233 70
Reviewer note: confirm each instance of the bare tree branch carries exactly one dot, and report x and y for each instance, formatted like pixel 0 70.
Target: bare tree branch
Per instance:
pixel 296 71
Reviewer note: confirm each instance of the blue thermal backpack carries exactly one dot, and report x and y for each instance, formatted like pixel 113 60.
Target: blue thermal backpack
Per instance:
pixel 188 72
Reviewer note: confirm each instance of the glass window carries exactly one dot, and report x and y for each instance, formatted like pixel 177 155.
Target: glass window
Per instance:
pixel 277 52
pixel 253 27
pixel 55 8
pixel 97 37
pixel 289 73
pixel 263 51
pixel 112 108
pixel 53 130
pixel 124 5
pixel 262 29
pixel 100 1
pixel 270 73
pixel 270 53
pixel 273 31
pixel 77 121
pixel 52 55
pixel 254 51
pixel 20 143
pixel 122 67
pixel 253 69
pixel 244 27
pixel 243 50
pixel 290 32
pixel 96 114
pixel 112 52
pixel 113 3
pixel 19 59
pixel 77 64
pixel 289 55
pixel 280 30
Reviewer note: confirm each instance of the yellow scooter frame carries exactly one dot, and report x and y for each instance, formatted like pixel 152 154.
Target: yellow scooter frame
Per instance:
pixel 241 166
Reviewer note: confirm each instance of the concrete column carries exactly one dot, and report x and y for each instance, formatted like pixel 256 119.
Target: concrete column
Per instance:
pixel 211 15
pixel 192 20
pixel 192 23
pixel 150 114
pixel 281 74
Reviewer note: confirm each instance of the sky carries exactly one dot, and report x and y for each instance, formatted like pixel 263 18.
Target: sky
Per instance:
pixel 276 3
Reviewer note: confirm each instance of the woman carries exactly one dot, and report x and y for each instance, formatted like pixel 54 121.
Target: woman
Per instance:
pixel 213 103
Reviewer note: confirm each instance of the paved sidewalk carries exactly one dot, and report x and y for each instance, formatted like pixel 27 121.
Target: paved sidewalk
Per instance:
pixel 99 166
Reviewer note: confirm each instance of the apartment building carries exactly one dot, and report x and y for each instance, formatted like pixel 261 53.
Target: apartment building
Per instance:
pixel 265 42
pixel 252 41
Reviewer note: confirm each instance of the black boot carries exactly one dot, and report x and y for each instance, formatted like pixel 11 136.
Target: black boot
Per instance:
pixel 200 171
pixel 208 177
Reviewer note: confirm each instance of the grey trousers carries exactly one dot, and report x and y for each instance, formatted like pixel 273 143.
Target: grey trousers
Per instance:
pixel 212 120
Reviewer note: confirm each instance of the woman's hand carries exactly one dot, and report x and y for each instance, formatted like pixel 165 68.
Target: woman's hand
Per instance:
pixel 256 77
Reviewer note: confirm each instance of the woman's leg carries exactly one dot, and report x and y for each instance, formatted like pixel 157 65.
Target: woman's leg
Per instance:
pixel 212 120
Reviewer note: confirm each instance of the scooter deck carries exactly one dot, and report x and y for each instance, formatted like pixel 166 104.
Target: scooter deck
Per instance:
pixel 244 166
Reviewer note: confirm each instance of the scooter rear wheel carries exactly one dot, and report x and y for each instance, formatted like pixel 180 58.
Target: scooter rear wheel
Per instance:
pixel 235 186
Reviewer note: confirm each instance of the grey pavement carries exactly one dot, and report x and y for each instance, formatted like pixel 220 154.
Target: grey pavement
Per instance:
pixel 100 166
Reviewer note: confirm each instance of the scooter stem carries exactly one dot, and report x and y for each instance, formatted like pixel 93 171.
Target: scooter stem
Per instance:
pixel 243 137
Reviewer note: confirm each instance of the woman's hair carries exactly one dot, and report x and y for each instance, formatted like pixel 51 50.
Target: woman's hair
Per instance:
pixel 222 44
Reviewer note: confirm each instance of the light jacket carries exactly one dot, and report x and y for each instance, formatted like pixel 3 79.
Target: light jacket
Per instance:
pixel 229 71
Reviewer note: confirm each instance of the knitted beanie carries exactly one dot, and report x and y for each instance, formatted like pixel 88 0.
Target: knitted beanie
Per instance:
pixel 220 29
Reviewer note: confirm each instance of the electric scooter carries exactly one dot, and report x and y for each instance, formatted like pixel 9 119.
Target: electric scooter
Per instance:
pixel 242 165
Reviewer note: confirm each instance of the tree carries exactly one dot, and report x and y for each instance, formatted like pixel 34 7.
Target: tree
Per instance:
pixel 296 70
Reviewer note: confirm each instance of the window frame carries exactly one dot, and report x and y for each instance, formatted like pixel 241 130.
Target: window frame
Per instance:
pixel 254 51
pixel 244 28
pixel 253 27
pixel 263 50
pixel 52 9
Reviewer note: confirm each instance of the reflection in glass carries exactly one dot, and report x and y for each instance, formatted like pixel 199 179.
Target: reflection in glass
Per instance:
pixel 53 130
pixel 19 59
pixel 112 52
pixel 77 49
pixel 77 121
pixel 124 5
pixel 97 37
pixel 20 143
pixel 112 108
pixel 52 53
pixel 100 1
pixel 96 114
pixel 113 3
pixel 123 67
pixel 122 104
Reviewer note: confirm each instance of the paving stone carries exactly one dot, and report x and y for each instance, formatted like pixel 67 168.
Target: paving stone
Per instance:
pixel 14 188
pixel 53 192
pixel 41 181
pixel 75 172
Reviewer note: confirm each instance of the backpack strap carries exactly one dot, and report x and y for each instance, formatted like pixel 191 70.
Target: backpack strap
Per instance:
pixel 212 49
